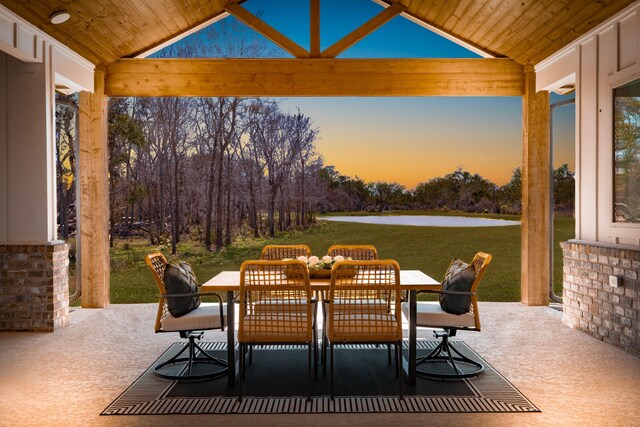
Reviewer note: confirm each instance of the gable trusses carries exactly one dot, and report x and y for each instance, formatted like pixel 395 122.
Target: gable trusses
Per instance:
pixel 525 30
pixel 391 10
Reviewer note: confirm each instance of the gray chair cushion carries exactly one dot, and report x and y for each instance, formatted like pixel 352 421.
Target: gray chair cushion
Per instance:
pixel 459 278
pixel 177 280
pixel 430 314
pixel 206 316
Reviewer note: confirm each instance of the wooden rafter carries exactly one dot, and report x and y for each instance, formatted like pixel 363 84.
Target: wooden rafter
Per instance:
pixel 315 77
pixel 266 30
pixel 315 28
pixel 365 29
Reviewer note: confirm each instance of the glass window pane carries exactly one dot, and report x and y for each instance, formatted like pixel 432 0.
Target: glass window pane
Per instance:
pixel 626 154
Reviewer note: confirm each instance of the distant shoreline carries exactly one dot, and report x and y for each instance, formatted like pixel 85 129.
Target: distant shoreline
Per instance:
pixel 424 220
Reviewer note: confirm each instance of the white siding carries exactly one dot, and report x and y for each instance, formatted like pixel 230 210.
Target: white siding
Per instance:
pixel 27 183
pixel 31 64
pixel 598 62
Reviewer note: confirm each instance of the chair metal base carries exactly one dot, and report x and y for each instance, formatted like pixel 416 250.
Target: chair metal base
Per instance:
pixel 188 363
pixel 460 366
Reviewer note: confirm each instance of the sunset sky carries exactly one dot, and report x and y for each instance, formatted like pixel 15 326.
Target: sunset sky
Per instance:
pixel 404 140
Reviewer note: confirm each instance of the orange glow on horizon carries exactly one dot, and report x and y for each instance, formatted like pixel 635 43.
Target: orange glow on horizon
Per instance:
pixel 412 140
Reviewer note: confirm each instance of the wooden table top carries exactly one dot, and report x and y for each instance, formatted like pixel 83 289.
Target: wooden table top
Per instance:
pixel 410 280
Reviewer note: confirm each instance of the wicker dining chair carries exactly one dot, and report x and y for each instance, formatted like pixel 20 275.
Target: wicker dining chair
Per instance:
pixel 280 252
pixel 207 316
pixel 452 364
pixel 364 306
pixel 276 308
pixel 355 252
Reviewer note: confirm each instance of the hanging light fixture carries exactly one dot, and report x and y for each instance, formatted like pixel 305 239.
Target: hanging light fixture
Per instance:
pixel 59 17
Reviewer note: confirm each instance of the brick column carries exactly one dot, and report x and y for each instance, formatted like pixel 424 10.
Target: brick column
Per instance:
pixel 610 314
pixel 34 287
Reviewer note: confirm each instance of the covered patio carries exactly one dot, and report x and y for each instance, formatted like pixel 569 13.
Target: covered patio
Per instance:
pixel 68 378
pixel 578 366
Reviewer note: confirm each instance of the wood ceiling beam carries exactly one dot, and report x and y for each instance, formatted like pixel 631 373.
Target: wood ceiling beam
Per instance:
pixel 467 44
pixel 315 28
pixel 364 30
pixel 315 77
pixel 266 30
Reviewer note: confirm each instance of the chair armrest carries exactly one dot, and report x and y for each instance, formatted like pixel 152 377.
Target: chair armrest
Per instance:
pixel 195 294
pixel 447 292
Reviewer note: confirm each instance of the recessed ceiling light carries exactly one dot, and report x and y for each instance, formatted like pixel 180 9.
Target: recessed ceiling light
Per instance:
pixel 59 17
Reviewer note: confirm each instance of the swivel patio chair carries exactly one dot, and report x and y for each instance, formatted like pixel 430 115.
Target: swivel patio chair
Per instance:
pixel 363 308
pixel 355 252
pixel 199 365
pixel 456 310
pixel 280 252
pixel 276 308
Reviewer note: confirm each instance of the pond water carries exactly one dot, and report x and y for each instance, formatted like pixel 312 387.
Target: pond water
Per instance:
pixel 424 220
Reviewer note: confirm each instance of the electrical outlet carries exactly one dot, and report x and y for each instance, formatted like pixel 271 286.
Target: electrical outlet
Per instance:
pixel 614 281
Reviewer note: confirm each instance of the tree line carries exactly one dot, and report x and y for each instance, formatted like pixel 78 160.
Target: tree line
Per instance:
pixel 459 191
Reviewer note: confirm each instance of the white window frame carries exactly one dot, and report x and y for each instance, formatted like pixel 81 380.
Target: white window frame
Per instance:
pixel 617 229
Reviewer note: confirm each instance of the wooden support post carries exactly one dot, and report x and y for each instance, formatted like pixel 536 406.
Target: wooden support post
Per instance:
pixel 94 195
pixel 536 203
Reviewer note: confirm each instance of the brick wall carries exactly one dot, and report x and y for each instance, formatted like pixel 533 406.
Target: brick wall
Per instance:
pixel 34 287
pixel 610 314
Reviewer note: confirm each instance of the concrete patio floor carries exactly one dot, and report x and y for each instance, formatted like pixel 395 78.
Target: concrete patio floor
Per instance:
pixel 70 376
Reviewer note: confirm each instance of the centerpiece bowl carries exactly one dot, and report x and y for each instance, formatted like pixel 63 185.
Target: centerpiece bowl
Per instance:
pixel 320 268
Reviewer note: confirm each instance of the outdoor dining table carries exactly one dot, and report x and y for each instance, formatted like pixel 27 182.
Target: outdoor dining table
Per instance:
pixel 411 281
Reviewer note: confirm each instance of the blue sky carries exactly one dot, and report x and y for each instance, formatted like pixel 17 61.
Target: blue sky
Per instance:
pixel 404 140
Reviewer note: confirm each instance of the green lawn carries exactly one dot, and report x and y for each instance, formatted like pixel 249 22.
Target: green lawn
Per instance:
pixel 429 249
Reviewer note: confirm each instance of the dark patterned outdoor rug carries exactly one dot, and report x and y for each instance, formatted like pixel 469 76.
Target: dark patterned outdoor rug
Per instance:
pixel 276 383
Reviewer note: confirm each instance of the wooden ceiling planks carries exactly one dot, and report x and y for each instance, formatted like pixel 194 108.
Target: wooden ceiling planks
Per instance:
pixel 104 31
pixel 500 17
pixel 524 30
pixel 547 35
pixel 446 11
pixel 519 27
pixel 38 12
pixel 460 11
